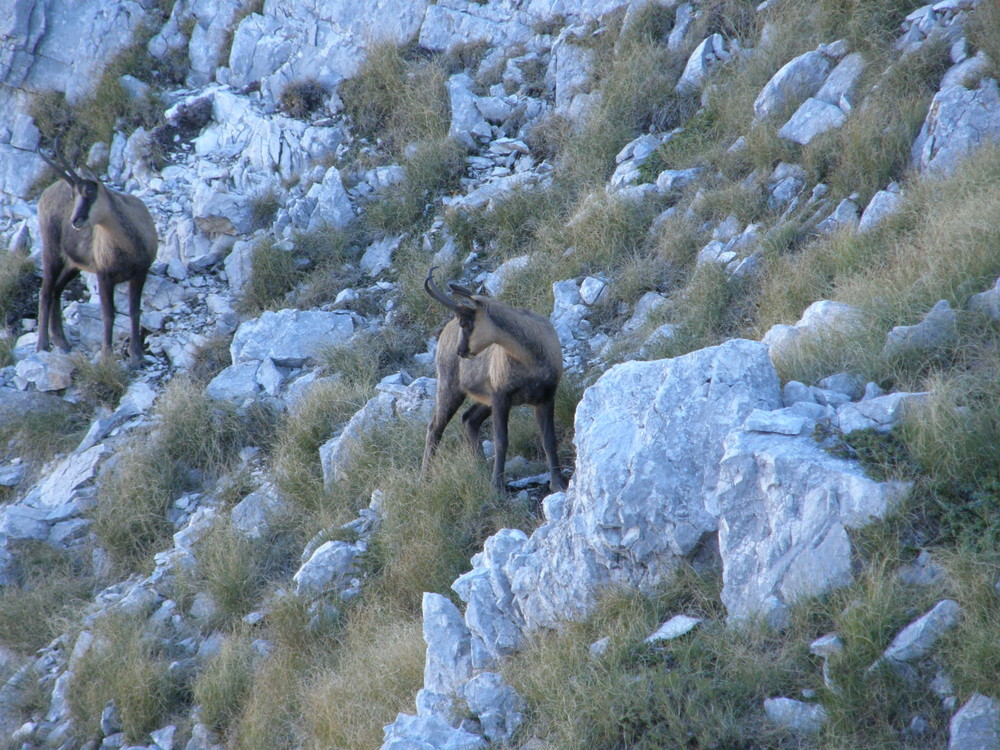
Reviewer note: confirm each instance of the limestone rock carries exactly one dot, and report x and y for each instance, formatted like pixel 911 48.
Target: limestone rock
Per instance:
pixel 814 117
pixel 330 568
pixel 705 56
pixel 976 726
pixel 797 80
pixel 466 120
pixel 333 206
pixel 937 331
pixel 675 627
pixel 289 337
pixel 626 519
pixel 428 733
pixel 959 120
pixel 882 204
pixel 47 371
pixel 917 638
pixel 499 708
pixel 448 663
pixel 807 718
pixel 784 507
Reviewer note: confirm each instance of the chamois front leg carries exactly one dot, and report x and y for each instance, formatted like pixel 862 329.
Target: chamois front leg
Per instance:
pixel 545 416
pixel 55 324
pixel 501 412
pixel 448 401
pixel 106 289
pixel 135 286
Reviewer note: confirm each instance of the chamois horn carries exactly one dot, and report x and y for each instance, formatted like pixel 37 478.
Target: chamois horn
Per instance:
pixel 62 168
pixel 432 289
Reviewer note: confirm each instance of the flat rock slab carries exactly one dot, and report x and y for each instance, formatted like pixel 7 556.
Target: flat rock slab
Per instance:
pixel 292 338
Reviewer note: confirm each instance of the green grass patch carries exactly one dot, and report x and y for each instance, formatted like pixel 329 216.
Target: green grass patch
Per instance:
pixel 192 440
pixel 50 585
pixel 125 664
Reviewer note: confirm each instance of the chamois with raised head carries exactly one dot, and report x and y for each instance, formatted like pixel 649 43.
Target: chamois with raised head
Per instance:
pixel 499 356
pixel 87 226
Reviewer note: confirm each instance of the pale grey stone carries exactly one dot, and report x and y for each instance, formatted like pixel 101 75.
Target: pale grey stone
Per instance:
pixel 795 392
pixel 496 628
pixel 959 120
pixel 784 506
pixel 569 69
pixel 820 320
pixel 976 726
pixel 827 646
pixel 378 256
pixel 627 521
pixel 659 338
pixel 238 264
pixel 843 382
pixel 448 24
pixel 784 184
pixel 706 56
pixel 675 627
pixel 255 515
pixel 988 302
pixel 648 304
pixel 881 413
pixel 330 568
pixel 291 338
pixel 797 80
pixel 938 330
pixel 236 383
pixel 333 206
pixel 217 212
pixel 47 371
pixel 599 648
pixel 164 738
pixel 814 117
pixel 465 116
pixel 497 705
pixel 882 204
pixel 917 638
pixel 415 403
pixel 967 73
pixel 676 179
pixel 592 290
pixel 494 282
pixel 683 18
pixel 428 733
pixel 204 609
pixel 807 718
pixel 448 662
pixel 842 83
pixel 845 215
pixel 923 571
pixel 780 422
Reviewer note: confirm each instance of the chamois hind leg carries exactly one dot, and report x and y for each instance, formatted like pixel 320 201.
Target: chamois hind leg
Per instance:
pixel 501 413
pixel 472 422
pixel 134 299
pixel 53 322
pixel 448 401
pixel 545 416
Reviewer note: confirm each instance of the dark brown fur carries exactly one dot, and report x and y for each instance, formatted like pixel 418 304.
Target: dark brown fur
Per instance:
pixel 500 357
pixel 86 226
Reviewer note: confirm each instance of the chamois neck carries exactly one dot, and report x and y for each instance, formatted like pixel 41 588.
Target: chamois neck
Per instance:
pixel 525 349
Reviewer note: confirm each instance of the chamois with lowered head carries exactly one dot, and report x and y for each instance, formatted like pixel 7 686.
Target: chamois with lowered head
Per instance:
pixel 500 357
pixel 87 226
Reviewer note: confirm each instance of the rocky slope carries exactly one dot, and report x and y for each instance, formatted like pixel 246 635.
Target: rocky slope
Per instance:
pixel 705 459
